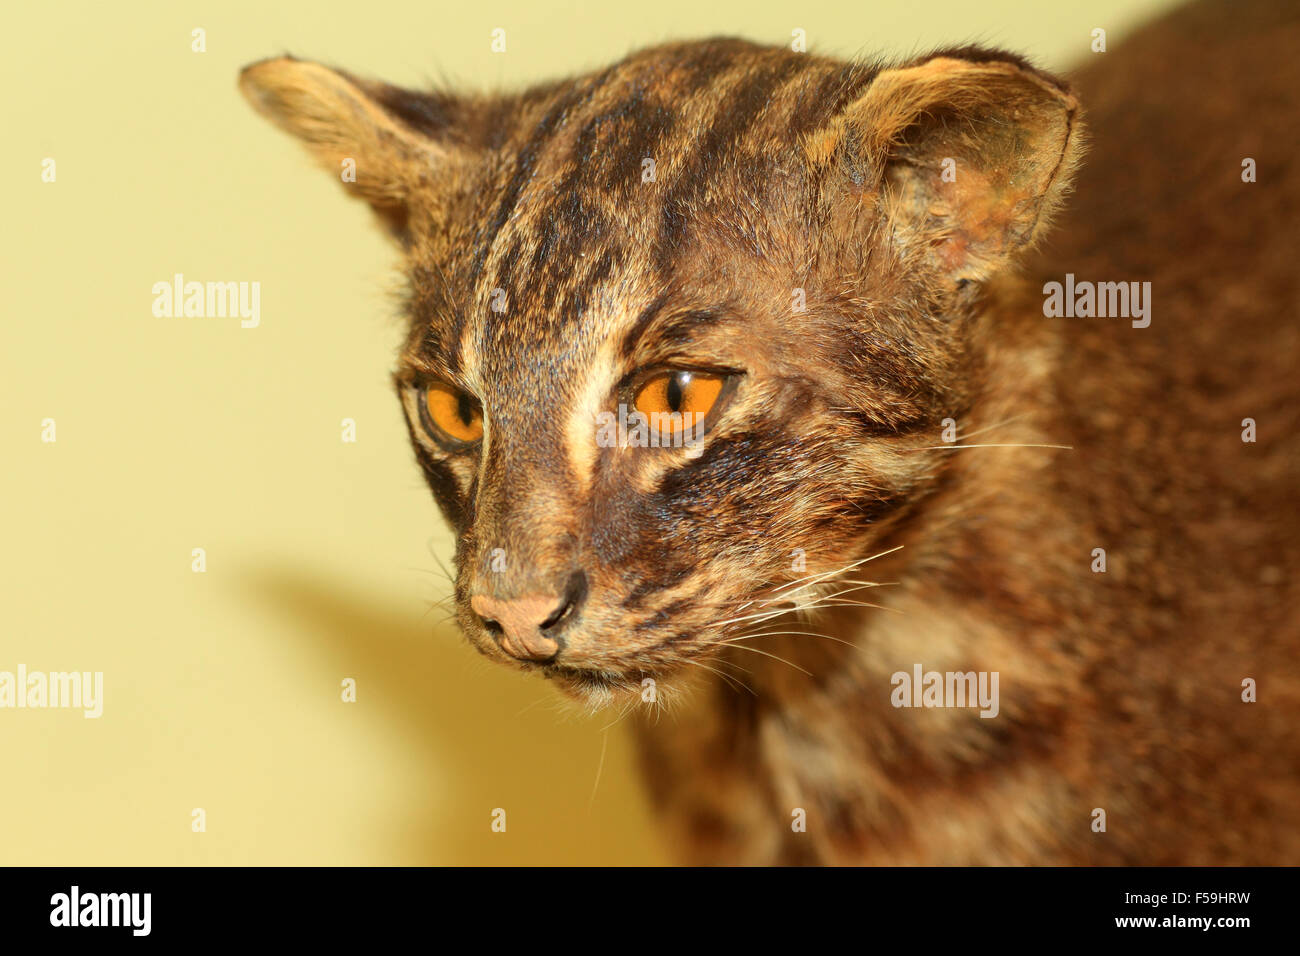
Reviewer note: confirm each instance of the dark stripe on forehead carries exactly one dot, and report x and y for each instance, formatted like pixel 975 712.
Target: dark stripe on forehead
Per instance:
pixel 628 131
pixel 604 267
pixel 598 274
pixel 525 167
pixel 575 226
pixel 732 120
pixel 604 167
pixel 641 124
pixel 505 268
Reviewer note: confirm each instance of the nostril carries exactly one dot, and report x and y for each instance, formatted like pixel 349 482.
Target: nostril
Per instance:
pixel 493 627
pixel 575 593
pixel 560 614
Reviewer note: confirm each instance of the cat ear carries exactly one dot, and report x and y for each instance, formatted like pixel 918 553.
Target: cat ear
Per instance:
pixel 969 155
pixel 365 133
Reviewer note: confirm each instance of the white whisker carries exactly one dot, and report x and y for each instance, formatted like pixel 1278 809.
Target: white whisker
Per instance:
pixel 989 445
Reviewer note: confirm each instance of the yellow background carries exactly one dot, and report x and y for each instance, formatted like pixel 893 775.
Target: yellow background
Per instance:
pixel 222 689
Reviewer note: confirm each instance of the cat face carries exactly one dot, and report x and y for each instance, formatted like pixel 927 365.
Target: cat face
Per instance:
pixel 682 331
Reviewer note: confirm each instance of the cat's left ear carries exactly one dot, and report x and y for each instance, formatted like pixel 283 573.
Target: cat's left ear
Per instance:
pixel 960 158
pixel 380 141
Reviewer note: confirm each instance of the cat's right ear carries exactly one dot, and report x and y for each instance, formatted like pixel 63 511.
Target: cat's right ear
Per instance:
pixel 962 156
pixel 354 128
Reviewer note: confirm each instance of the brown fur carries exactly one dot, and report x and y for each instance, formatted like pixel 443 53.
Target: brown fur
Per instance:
pixel 777 171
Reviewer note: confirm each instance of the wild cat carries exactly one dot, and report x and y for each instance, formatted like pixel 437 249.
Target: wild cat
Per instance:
pixel 943 575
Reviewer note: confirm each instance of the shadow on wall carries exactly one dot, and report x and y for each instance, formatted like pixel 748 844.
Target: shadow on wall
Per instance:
pixel 483 736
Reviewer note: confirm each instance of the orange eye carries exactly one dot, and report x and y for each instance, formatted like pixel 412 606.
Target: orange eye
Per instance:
pixel 690 394
pixel 454 414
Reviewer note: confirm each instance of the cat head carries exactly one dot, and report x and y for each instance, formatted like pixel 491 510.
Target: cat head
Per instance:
pixel 678 327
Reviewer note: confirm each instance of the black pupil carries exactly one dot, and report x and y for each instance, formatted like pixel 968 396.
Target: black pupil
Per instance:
pixel 464 408
pixel 676 384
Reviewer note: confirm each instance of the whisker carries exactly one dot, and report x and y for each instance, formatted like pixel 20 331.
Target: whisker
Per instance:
pixel 846 568
pixel 731 681
pixel 989 445
pixel 989 428
pixel 849 603
pixel 600 767
pixel 810 604
pixel 746 637
pixel 627 708
pixel 776 612
pixel 446 573
pixel 528 707
pixel 742 647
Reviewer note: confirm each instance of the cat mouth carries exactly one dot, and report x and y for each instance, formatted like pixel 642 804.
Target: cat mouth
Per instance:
pixel 585 678
pixel 595 686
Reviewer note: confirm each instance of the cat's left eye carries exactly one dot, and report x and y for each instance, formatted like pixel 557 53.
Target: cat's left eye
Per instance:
pixel 681 400
pixel 452 416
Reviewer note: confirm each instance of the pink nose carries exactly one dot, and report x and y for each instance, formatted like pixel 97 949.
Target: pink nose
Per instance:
pixel 520 624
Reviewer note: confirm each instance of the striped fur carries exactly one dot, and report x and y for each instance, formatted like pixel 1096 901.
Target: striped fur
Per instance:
pixel 778 175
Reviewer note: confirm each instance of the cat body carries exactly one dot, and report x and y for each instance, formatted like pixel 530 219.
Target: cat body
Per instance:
pixel 909 469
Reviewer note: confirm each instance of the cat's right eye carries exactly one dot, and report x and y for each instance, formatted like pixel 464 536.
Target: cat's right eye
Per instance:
pixel 452 416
